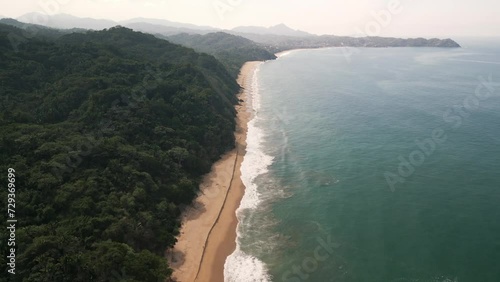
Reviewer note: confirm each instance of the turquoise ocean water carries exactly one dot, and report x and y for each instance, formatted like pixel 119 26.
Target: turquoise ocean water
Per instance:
pixel 382 166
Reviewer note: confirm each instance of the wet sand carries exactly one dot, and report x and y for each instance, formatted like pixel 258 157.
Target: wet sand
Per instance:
pixel 208 232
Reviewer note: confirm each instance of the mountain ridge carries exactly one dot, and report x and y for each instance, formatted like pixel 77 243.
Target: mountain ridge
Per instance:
pixel 167 23
pixel 164 30
pixel 152 118
pixel 231 50
pixel 276 38
pixel 66 21
pixel 280 29
pixel 168 28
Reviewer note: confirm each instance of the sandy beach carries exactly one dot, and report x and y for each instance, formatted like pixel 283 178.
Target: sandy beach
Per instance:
pixel 208 232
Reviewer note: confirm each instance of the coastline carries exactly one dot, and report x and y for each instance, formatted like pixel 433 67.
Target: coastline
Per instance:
pixel 289 51
pixel 208 232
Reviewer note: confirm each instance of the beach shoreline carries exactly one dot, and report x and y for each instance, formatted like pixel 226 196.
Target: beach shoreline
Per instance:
pixel 208 233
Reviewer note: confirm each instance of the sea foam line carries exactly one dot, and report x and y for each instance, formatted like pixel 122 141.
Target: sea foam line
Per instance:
pixel 240 266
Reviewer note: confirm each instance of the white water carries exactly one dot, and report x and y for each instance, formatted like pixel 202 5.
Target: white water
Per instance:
pixel 240 266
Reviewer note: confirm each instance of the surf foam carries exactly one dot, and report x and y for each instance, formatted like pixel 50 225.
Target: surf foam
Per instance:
pixel 240 266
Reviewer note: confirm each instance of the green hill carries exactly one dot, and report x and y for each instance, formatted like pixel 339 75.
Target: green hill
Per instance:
pixel 233 51
pixel 109 133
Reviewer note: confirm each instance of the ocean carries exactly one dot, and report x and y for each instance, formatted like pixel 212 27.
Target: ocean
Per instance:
pixel 373 164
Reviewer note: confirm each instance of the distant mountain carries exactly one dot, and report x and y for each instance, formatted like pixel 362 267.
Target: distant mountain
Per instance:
pixel 36 30
pixel 162 29
pixel 280 29
pixel 275 38
pixel 18 24
pixel 154 26
pixel 277 43
pixel 67 21
pixel 167 23
pixel 233 51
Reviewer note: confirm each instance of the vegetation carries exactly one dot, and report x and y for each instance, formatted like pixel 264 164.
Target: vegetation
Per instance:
pixel 31 30
pixel 109 133
pixel 233 51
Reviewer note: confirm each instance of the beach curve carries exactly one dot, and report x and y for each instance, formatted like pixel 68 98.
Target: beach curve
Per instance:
pixel 208 233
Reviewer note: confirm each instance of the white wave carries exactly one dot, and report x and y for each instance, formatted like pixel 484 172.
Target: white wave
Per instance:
pixel 240 266
pixel 283 54
pixel 255 163
pixel 254 90
pixel 286 53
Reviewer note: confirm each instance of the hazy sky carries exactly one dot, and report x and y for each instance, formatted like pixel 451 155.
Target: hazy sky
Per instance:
pixel 341 17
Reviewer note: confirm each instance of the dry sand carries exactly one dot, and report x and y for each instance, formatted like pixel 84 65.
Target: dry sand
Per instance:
pixel 208 232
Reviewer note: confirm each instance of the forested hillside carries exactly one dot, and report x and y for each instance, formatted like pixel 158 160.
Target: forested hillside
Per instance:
pixel 31 30
pixel 109 133
pixel 233 51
